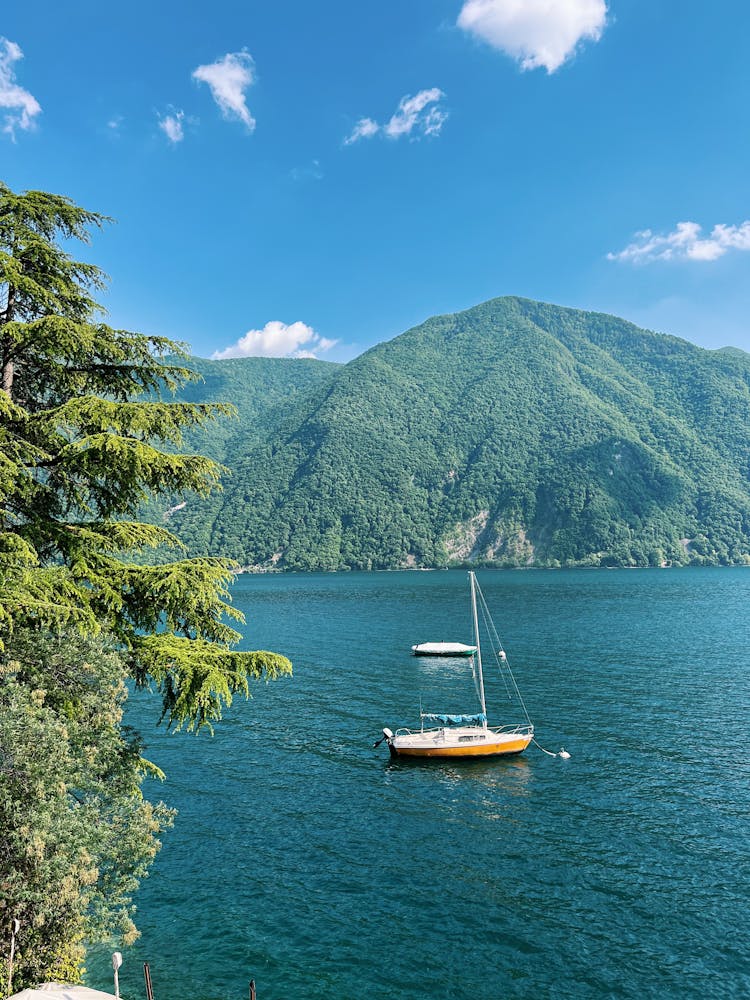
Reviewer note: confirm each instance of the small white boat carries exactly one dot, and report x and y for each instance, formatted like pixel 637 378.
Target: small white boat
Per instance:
pixel 467 735
pixel 443 649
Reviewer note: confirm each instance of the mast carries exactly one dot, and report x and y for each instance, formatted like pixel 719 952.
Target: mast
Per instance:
pixel 472 578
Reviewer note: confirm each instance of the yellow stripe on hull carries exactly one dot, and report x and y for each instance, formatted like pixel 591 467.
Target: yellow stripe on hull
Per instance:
pixel 482 750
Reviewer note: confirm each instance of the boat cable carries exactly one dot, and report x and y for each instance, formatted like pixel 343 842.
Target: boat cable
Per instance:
pixel 500 654
pixel 473 660
pixel 562 753
pixel 502 660
pixel 497 649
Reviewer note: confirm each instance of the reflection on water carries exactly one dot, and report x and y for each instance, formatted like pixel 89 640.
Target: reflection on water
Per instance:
pixel 495 772
pixel 486 789
pixel 437 667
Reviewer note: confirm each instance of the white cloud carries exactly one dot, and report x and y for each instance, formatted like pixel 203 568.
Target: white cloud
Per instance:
pixel 535 32
pixel 22 106
pixel 229 78
pixel 364 129
pixel 171 126
pixel 419 115
pixel 685 243
pixel 410 115
pixel 278 340
pixel 325 344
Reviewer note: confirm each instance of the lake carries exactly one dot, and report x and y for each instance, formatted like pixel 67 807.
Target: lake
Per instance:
pixel 304 858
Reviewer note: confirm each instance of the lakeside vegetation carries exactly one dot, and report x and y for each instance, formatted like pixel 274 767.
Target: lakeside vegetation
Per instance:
pixel 513 434
pixel 83 444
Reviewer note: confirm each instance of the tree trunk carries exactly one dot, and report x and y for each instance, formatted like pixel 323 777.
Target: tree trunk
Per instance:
pixel 8 370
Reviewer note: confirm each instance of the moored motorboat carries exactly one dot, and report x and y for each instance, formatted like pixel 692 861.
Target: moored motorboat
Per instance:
pixel 443 649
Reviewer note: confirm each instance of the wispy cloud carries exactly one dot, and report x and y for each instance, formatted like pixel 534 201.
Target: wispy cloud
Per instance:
pixel 364 129
pixel 278 340
pixel 172 127
pixel 415 116
pixel 313 172
pixel 21 106
pixel 535 32
pixel 685 243
pixel 228 79
pixel 114 128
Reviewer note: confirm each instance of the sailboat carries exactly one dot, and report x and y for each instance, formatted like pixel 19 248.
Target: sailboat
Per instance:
pixel 467 735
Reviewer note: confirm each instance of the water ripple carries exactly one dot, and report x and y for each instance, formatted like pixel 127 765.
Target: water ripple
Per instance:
pixel 308 860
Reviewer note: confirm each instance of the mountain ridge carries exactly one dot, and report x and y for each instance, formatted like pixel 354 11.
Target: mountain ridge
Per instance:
pixel 515 433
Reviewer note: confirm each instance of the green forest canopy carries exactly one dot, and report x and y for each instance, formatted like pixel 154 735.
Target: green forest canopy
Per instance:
pixel 513 434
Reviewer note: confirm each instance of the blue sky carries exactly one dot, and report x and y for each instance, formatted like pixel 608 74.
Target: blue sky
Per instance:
pixel 304 178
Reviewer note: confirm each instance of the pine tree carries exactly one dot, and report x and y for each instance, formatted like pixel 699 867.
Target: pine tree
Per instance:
pixel 81 449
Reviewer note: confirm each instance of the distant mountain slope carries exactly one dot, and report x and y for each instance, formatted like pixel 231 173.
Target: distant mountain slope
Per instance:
pixel 515 433
pixel 266 392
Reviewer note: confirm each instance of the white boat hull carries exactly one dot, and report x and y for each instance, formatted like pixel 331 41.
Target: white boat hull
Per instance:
pixel 443 649
pixel 460 741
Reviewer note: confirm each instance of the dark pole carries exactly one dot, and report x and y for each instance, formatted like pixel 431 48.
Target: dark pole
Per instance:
pixel 147 977
pixel 252 989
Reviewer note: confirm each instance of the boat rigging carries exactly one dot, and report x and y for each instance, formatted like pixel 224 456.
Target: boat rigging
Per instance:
pixel 468 735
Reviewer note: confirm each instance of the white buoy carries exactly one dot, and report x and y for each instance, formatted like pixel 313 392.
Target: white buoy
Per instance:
pixel 564 754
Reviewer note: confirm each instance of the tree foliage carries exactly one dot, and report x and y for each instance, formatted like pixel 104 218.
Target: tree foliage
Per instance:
pixel 85 442
pixel 77 833
pixel 84 445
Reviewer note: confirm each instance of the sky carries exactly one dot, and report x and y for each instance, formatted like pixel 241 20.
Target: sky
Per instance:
pixel 310 179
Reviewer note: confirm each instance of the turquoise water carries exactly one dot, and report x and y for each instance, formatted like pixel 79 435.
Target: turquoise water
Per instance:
pixel 303 858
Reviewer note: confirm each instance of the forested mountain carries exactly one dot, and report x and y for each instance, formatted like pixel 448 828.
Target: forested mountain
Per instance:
pixel 515 433
pixel 265 392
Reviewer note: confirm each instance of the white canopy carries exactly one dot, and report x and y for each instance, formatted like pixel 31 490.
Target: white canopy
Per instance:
pixel 59 991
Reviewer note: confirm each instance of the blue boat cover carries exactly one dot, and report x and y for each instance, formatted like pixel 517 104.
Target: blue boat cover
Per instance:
pixel 457 720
